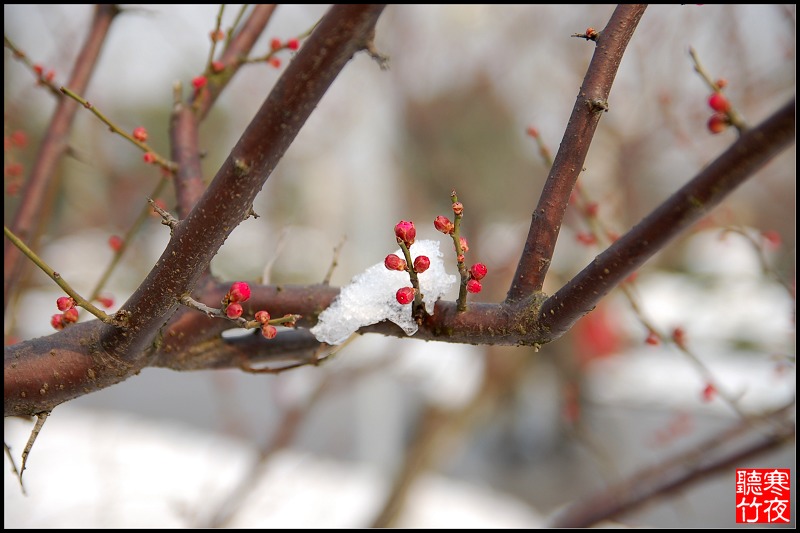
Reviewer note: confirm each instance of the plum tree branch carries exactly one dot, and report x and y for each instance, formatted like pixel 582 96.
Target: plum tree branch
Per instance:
pixel 754 149
pixel 589 106
pixel 27 219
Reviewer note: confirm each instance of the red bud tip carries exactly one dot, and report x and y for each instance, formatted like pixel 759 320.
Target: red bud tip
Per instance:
pixel 405 232
pixel 474 286
pixel 275 44
pixel 443 224
pixel 478 271
pixel 393 262
pixel 262 316
pixel 57 321
pixel 64 303
pixel 239 292
pixel 458 208
pixel 199 82
pixel 234 310
pixel 718 123
pixel 293 44
pixel 421 264
pixel 405 295
pixel 115 242
pixel 269 331
pixel 718 102
pixel 140 134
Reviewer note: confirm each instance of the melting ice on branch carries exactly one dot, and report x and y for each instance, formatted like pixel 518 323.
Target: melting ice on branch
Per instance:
pixel 370 297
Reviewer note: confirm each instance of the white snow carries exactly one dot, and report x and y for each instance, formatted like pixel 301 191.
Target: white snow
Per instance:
pixel 370 297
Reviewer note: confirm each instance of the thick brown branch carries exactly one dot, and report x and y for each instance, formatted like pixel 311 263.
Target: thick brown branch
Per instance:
pixel 694 200
pixel 189 183
pixel 719 454
pixel 343 31
pixel 592 101
pixel 28 218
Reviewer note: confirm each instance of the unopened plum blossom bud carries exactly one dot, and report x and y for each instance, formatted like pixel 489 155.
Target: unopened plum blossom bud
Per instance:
pixel 57 321
pixel 421 264
pixel 464 245
pixel 405 232
pixel 405 295
pixel 718 102
pixel 115 242
pixel 269 331
pixel 70 316
pixel 239 292
pixel 478 271
pixel 234 310
pixel 262 316
pixel 718 123
pixel 393 262
pixel 443 224
pixel 474 286
pixel 64 303
pixel 140 134
pixel 458 208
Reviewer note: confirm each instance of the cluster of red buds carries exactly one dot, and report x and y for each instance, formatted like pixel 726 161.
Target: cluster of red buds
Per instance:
pixel 276 45
pixel 718 102
pixel 68 314
pixel 232 307
pixel 470 278
pixel 14 170
pixel 406 233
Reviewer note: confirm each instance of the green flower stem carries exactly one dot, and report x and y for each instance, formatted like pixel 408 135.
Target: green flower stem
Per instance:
pixel 55 276
pixel 462 268
pixel 159 160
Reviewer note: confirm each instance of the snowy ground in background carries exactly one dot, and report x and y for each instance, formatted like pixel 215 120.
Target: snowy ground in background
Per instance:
pixel 97 470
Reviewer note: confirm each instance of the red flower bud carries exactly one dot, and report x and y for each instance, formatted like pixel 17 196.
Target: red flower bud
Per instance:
pixel 718 102
pixel 70 316
pixel 532 132
pixel 64 303
pixel 262 316
pixel 474 286
pixel 709 392
pixel 652 339
pixel 106 301
pixel 199 82
pixel 718 123
pixel 478 271
pixel 679 337
pixel 292 44
pixel 405 295
pixel 458 208
pixel 149 158
pixel 239 292
pixel 421 264
pixel 275 62
pixel 140 134
pixel 275 44
pixel 115 242
pixel 57 321
pixel 443 224
pixel 217 35
pixel 269 331
pixel 217 66
pixel 393 262
pixel 234 310
pixel 464 245
pixel 405 232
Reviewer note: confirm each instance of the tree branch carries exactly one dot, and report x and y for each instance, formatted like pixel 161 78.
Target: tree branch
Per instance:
pixel 720 453
pixel 28 219
pixel 694 200
pixel 592 101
